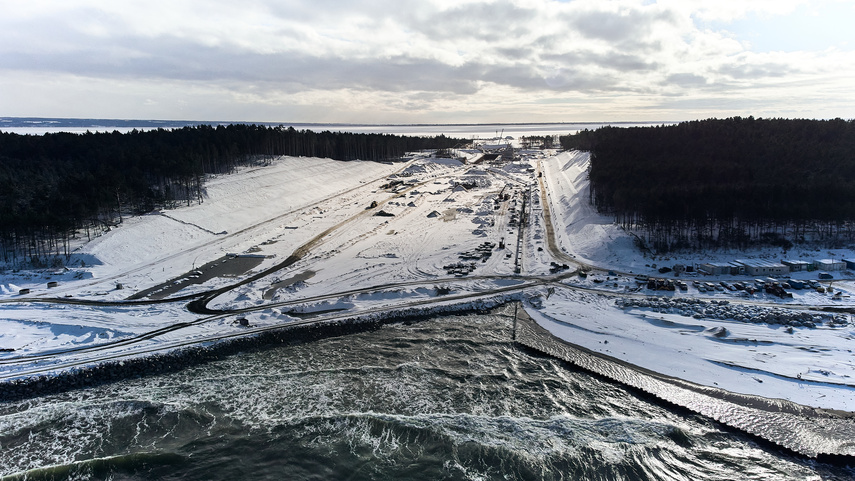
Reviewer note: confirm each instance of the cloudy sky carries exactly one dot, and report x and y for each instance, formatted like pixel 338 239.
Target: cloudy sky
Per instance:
pixel 427 61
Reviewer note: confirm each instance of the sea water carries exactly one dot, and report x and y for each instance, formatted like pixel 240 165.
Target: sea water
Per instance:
pixel 447 398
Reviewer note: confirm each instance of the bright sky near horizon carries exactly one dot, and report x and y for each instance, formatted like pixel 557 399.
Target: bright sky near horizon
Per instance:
pixel 427 61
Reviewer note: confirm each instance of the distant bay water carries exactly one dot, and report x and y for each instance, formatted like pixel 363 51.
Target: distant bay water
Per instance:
pixel 40 126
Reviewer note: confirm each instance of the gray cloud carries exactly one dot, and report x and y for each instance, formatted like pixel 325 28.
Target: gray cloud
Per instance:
pixel 175 58
pixel 181 56
pixel 479 21
pixel 628 25
pixel 579 80
pixel 290 71
pixel 409 55
pixel 758 71
pixel 686 80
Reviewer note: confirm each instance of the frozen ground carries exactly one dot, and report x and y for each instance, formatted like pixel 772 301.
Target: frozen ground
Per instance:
pixel 809 365
pixel 316 238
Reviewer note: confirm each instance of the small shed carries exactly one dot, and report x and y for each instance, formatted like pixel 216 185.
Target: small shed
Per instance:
pixel 52 284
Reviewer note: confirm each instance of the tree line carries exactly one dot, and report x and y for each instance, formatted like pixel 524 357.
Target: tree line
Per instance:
pixel 537 141
pixel 56 185
pixel 726 182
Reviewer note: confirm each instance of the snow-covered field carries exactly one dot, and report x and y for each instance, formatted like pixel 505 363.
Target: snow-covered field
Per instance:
pixel 363 237
pixel 808 365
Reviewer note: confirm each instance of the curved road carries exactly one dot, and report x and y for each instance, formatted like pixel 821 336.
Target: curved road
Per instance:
pixel 197 303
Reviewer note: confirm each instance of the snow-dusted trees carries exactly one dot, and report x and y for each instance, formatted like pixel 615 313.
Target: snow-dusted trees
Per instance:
pixel 726 182
pixel 56 185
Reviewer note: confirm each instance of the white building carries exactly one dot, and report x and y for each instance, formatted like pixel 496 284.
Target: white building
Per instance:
pixel 829 265
pixel 796 265
pixel 758 267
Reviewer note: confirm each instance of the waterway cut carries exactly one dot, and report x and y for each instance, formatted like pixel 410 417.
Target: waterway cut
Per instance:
pixel 453 397
pixel 802 429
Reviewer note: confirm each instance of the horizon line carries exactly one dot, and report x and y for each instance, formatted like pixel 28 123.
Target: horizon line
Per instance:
pixel 368 124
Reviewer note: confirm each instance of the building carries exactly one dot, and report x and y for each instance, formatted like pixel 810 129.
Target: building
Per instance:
pixel 716 268
pixel 758 267
pixel 796 265
pixel 829 265
pixel 850 263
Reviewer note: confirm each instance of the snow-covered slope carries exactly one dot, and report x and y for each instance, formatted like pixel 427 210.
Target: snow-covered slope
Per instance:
pixel 361 237
pixel 239 210
pixel 589 236
pixel 704 343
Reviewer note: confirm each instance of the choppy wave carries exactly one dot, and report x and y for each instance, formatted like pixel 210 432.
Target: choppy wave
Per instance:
pixel 802 429
pixel 449 398
pixel 124 464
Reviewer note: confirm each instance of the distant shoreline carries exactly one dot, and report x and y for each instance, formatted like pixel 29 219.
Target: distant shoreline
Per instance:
pixel 42 125
pixel 84 122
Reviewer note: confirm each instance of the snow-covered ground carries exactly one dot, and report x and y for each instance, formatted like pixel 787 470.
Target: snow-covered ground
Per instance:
pixel 367 236
pixel 808 365
pixel 362 236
